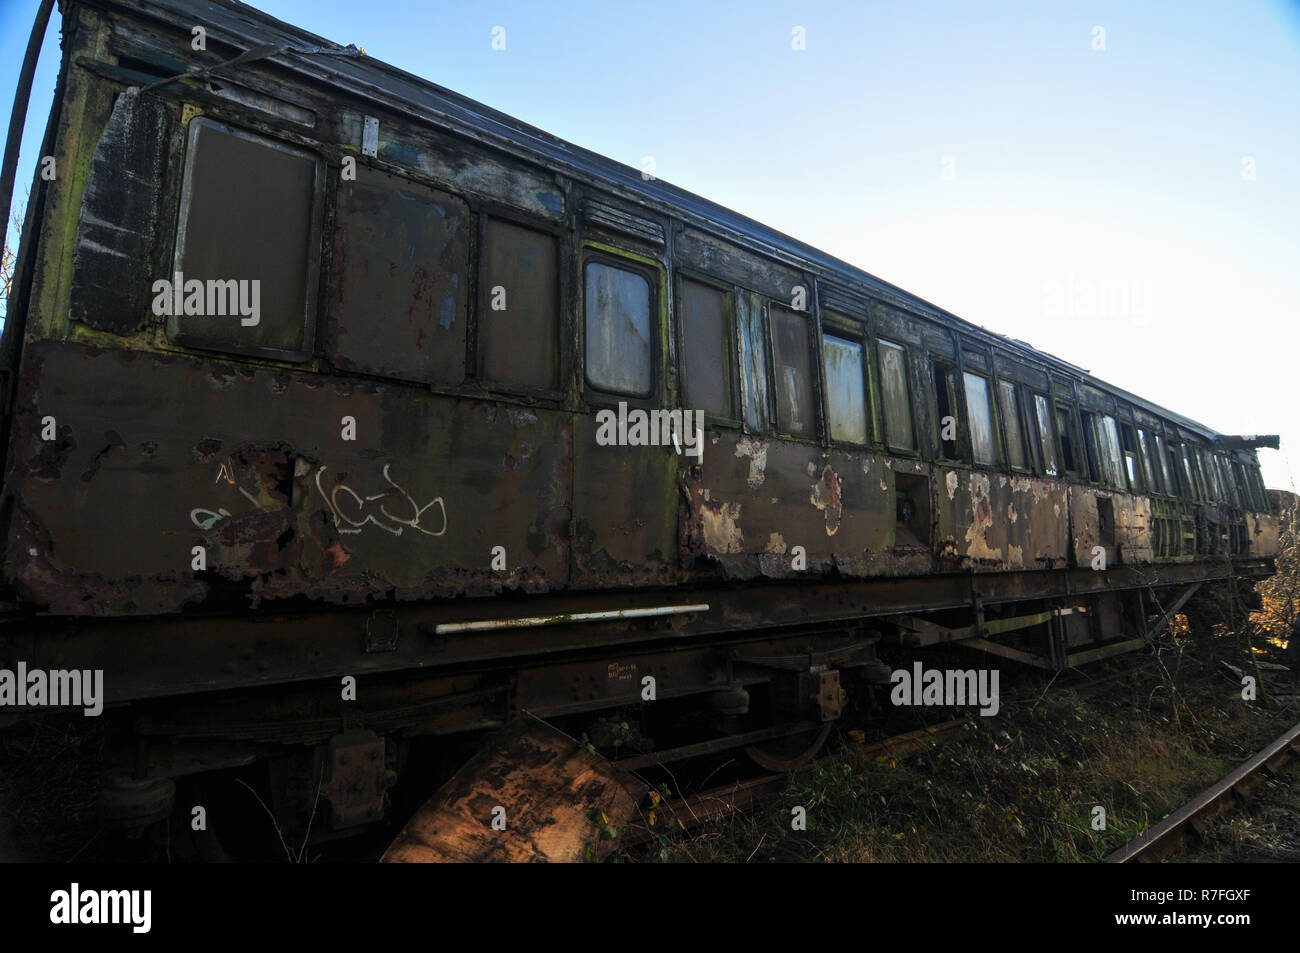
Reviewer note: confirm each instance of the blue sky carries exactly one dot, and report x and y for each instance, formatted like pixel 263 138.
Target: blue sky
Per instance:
pixel 1097 203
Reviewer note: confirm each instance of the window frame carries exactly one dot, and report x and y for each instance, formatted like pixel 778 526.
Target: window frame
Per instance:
pixel 1040 461
pixel 1017 399
pixel 483 212
pixel 315 235
pixel 956 407
pixel 841 326
pixel 654 273
pixel 731 345
pixel 813 340
pixel 915 452
pixel 994 424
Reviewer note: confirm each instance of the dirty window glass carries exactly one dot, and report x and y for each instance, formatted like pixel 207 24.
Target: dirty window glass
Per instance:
pixel 518 324
pixel 794 410
pixel 400 267
pixel 618 330
pixel 845 399
pixel 1011 420
pixel 1144 447
pixel 898 408
pixel 981 418
pixel 1110 453
pixel 706 350
pixel 1045 443
pixel 245 235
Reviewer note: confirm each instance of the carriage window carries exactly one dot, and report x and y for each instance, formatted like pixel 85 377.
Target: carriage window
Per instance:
pixel 1090 450
pixel 1192 487
pixel 945 398
pixel 1262 503
pixel 898 406
pixel 1011 420
pixel 1066 430
pixel 1167 478
pixel 1128 444
pixel 706 350
pixel 983 446
pixel 1210 475
pixel 244 245
pixel 401 254
pixel 1230 480
pixel 1153 475
pixel 794 407
pixel 1183 478
pixel 845 393
pixel 1111 460
pixel 1046 445
pixel 617 308
pixel 518 329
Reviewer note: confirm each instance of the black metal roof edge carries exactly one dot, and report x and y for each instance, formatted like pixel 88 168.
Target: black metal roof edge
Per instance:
pixel 241 25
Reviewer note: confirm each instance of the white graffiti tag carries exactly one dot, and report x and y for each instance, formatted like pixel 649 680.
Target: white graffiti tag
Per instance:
pixel 210 520
pixel 351 516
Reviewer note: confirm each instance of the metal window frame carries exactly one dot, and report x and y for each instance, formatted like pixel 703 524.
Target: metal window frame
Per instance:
pixel 315 229
pixel 730 343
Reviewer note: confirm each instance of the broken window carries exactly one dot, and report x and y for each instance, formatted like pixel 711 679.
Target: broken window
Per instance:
pixel 753 363
pixel 1183 477
pixel 1193 487
pixel 945 398
pixel 1153 475
pixel 706 350
pixel 898 405
pixel 400 264
pixel 1091 453
pixel 845 391
pixel 1046 445
pixel 619 355
pixel 1066 429
pixel 794 406
pixel 1168 476
pixel 1011 421
pixel 244 245
pixel 1129 447
pixel 1111 460
pixel 518 323
pixel 983 446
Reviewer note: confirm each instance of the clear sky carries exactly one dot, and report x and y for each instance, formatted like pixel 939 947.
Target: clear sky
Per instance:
pixel 1125 198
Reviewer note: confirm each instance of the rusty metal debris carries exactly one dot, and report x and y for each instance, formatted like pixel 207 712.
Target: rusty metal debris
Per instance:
pixel 531 794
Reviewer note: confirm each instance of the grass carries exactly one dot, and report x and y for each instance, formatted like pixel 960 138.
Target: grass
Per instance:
pixel 1025 786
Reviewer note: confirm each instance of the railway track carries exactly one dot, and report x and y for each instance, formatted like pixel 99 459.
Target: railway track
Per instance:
pixel 1189 821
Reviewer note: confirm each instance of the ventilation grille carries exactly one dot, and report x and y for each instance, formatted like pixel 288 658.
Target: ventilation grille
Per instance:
pixel 607 216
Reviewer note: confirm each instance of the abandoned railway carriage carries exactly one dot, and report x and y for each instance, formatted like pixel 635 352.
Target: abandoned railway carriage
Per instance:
pixel 306 363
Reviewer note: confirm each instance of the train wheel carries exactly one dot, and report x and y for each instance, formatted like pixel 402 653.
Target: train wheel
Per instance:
pixel 791 752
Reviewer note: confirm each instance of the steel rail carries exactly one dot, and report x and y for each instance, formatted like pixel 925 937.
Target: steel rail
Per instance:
pixel 1164 838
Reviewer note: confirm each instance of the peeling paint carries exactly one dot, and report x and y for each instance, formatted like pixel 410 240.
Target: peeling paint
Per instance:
pixel 756 450
pixel 721 534
pixel 775 544
pixel 981 520
pixel 950 480
pixel 826 496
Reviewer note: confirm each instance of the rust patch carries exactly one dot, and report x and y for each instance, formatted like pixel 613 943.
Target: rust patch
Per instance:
pixel 826 496
pixel 981 521
pixel 718 522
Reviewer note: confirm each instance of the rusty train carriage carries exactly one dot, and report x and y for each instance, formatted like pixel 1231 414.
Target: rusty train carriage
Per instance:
pixel 475 428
